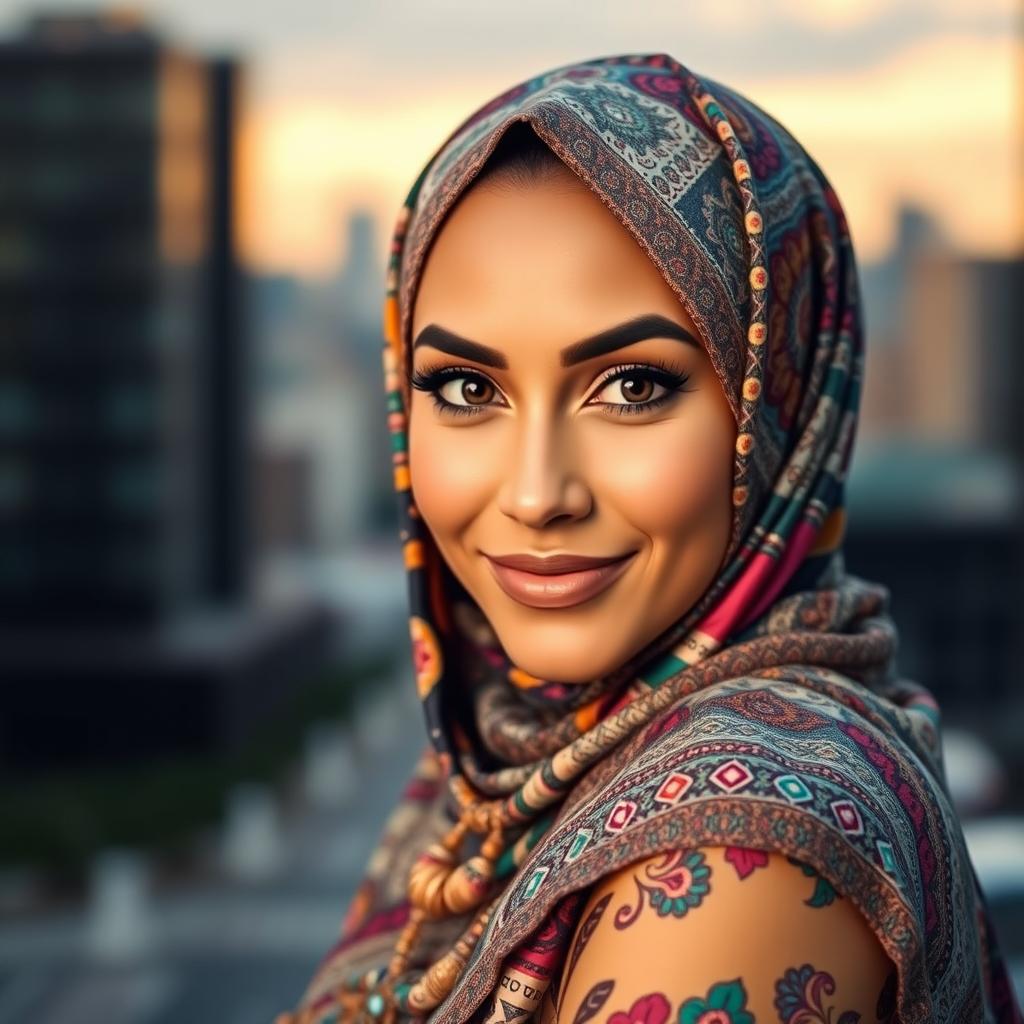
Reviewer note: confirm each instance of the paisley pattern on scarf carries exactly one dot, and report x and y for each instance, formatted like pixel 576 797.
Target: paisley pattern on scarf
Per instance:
pixel 771 715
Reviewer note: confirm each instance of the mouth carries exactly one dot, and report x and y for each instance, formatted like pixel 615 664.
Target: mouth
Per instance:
pixel 575 580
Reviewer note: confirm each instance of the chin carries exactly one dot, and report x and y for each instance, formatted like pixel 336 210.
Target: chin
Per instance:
pixel 570 665
pixel 573 645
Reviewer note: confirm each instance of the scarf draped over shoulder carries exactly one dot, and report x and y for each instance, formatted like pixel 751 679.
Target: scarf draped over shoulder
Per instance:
pixel 771 714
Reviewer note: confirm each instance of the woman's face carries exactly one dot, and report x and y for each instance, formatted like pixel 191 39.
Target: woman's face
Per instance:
pixel 561 431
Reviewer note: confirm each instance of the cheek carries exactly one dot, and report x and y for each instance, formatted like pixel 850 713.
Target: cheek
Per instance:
pixel 448 469
pixel 673 483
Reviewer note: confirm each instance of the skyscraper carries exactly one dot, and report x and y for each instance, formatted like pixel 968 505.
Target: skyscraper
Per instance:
pixel 122 423
pixel 125 502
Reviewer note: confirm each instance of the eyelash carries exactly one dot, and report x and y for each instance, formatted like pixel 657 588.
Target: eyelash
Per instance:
pixel 672 377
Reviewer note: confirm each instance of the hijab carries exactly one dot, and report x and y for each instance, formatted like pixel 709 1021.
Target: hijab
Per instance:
pixel 770 714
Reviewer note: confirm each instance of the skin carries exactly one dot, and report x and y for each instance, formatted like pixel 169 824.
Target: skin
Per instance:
pixel 540 465
pixel 657 937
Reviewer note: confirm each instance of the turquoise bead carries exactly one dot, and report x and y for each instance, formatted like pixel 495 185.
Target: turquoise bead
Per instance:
pixel 375 1004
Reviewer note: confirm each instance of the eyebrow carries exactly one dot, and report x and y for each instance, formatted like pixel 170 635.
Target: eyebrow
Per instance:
pixel 639 328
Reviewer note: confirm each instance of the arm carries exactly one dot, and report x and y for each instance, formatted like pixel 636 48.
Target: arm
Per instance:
pixel 755 936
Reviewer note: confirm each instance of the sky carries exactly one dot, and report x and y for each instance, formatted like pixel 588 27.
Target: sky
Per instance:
pixel 346 99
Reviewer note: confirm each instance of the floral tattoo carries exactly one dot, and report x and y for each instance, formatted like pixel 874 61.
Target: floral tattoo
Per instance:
pixel 675 884
pixel 824 893
pixel 800 995
pixel 725 1003
pixel 650 1009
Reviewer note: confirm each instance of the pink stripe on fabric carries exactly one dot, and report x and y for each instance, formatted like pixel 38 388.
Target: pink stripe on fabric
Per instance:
pixel 765 575
pixel 721 619
pixel 801 542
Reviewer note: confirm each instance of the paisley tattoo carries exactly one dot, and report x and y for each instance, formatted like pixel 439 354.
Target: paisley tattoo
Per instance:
pixel 674 885
pixel 725 1003
pixel 824 893
pixel 800 994
pixel 593 1001
pixel 588 928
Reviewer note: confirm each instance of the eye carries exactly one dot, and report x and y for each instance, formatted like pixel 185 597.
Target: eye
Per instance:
pixel 455 390
pixel 468 390
pixel 635 388
pixel 641 388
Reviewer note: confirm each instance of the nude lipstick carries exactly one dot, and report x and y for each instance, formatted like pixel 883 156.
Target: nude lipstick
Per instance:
pixel 556 581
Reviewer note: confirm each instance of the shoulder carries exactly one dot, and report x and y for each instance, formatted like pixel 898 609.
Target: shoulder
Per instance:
pixel 751 934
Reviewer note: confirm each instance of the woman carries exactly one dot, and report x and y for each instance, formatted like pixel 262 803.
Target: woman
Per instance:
pixel 673 772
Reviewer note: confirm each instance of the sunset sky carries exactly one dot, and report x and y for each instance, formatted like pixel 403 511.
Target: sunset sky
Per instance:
pixel 348 98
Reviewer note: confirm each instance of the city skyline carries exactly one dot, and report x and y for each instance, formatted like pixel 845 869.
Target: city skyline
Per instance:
pixel 898 103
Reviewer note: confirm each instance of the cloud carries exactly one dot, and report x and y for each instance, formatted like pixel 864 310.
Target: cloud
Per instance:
pixel 411 45
pixel 937 122
pixel 347 98
pixel 345 47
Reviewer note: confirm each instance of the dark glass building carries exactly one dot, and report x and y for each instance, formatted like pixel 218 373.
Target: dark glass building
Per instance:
pixel 122 423
pixel 126 624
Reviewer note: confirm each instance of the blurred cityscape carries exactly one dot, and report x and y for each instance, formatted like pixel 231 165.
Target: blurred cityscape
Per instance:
pixel 207 704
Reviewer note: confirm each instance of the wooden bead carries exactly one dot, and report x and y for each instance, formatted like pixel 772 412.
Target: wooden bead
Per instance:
pixel 435 854
pixel 468 885
pixel 428 876
pixel 436 983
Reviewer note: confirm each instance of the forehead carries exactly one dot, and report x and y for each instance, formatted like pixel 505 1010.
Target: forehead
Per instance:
pixel 535 248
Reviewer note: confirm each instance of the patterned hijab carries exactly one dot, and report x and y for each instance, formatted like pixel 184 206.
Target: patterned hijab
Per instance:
pixel 770 714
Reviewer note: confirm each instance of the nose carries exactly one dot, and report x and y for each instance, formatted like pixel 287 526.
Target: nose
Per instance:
pixel 543 482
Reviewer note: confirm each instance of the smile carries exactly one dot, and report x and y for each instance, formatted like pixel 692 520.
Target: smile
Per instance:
pixel 557 590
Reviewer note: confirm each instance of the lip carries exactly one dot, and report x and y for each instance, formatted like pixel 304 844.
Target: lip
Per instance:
pixel 558 581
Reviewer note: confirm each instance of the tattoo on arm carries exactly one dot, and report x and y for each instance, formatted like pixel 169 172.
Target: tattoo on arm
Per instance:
pixel 725 1003
pixel 593 1001
pixel 588 929
pixel 653 1008
pixel 669 886
pixel 800 997
pixel 824 893
pixel 746 861
pixel 678 882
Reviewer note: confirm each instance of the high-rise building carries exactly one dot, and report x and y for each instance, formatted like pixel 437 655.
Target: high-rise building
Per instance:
pixel 943 357
pixel 936 489
pixel 123 452
pixel 126 627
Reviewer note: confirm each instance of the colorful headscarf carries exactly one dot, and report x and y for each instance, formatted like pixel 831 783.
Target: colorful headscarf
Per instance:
pixel 770 715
